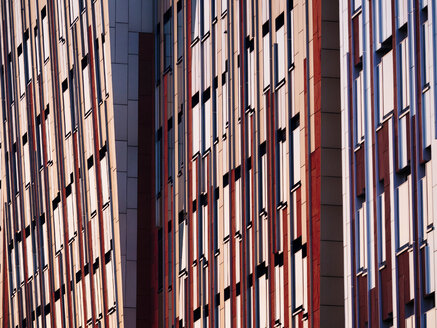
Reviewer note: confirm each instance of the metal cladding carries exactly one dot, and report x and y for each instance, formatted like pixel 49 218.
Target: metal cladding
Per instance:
pixel 388 108
pixel 248 174
pixel 60 250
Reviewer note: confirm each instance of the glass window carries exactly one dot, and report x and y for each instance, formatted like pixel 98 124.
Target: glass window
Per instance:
pixel 266 55
pixel 381 228
pixel 403 214
pixel 167 39
pixel 405 79
pixel 45 32
pixel 180 19
pixel 280 49
pixel 359 108
pixel 361 223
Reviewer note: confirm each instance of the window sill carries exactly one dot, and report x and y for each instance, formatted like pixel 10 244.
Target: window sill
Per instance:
pixel 296 186
pixel 280 84
pixel 403 249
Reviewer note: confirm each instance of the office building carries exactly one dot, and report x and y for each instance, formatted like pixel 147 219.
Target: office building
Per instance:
pixel 388 70
pixel 248 228
pixel 70 104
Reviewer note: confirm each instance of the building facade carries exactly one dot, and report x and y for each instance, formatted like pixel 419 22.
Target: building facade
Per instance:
pixel 388 70
pixel 248 229
pixel 69 144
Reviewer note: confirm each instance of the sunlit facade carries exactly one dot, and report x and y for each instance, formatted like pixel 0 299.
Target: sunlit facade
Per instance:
pixel 248 175
pixel 388 70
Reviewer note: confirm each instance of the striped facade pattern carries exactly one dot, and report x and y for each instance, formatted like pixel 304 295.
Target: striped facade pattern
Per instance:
pixel 248 219
pixel 388 103
pixel 60 261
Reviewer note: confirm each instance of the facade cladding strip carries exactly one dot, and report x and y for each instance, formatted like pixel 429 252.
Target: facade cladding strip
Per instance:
pixel 248 178
pixel 388 70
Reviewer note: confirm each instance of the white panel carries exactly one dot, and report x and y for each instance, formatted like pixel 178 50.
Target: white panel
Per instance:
pixel 87 88
pixel 92 189
pixel 21 71
pixel 45 32
pixel 403 214
pixel 207 124
pixel 405 81
pixel 402 128
pixel 74 10
pixel 206 15
pixel 296 155
pixel 104 172
pixel 67 110
pixel 298 279
pixel 196 129
pixel 59 227
pixel 280 39
pixel 266 60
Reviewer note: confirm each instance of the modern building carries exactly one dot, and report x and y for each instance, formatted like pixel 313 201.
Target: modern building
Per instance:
pixel 247 133
pixel 76 80
pixel 388 104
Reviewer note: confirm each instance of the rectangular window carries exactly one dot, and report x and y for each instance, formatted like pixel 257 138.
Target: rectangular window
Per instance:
pixel 427 69
pixel 21 70
pixel 226 208
pixel 92 186
pixel 385 86
pixel 280 50
pixel 206 17
pixel 250 75
pixel 298 274
pixel 361 222
pixel 402 12
pixel 86 85
pixel 61 20
pixel 180 19
pixel 104 171
pixel 381 229
pixel 58 223
pixel 265 10
pixel 29 252
pixel 181 139
pixel 74 10
pixel 167 39
pixel 26 160
pixel 403 141
pixel 107 229
pixel 196 128
pixel 45 241
pixel 425 204
pixel 263 178
pixel 224 6
pixel 71 211
pixel 295 126
pixel 195 19
pixel 37 52
pixel 27 57
pixel 403 214
pixel 383 20
pixel 359 109
pixel 48 135
pixel 357 4
pixel 357 23
pixel 45 33
pixel 206 118
pixel 195 69
pixel 67 109
pixel 404 80
pixel 290 34
pixel 266 55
